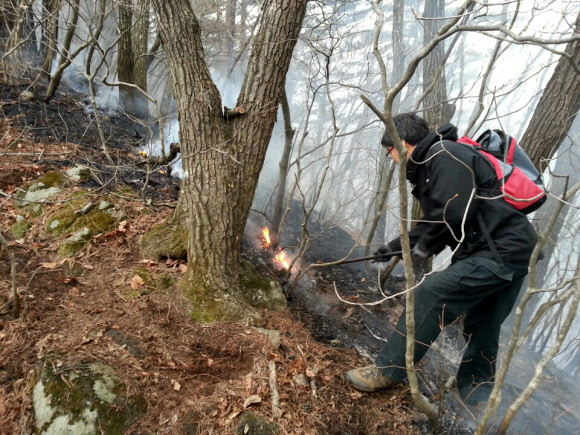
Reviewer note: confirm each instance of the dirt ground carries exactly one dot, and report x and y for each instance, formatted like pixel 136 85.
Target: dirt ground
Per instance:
pixel 195 378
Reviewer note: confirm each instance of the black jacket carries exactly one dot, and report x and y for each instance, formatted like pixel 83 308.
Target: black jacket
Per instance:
pixel 445 176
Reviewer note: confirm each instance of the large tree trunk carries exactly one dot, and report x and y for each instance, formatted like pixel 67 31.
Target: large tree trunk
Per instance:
pixel 222 159
pixel 125 56
pixel 140 39
pixel 437 110
pixel 556 110
pixel 51 10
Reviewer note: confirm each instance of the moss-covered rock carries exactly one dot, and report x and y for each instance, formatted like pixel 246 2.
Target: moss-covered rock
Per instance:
pixel 165 240
pixel 39 190
pixel 252 423
pixel 85 399
pixel 79 173
pixel 75 243
pixel 67 219
pixel 19 229
pixel 260 292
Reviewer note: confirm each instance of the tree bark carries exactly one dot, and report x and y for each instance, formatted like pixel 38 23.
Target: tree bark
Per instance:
pixel 437 110
pixel 125 56
pixel 66 56
pixel 49 35
pixel 555 113
pixel 222 160
pixel 139 40
pixel 283 172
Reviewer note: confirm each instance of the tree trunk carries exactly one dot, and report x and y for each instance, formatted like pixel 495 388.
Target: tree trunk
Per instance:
pixel 556 110
pixel 398 46
pixel 125 56
pixel 49 35
pixel 140 39
pixel 66 57
pixel 222 159
pixel 7 13
pixel 283 173
pixel 437 110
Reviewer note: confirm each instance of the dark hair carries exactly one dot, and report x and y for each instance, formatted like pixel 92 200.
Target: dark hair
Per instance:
pixel 410 127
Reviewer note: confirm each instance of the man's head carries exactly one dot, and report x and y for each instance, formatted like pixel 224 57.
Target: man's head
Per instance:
pixel 411 129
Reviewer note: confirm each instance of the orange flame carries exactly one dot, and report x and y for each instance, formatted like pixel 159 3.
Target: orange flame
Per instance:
pixel 266 243
pixel 282 260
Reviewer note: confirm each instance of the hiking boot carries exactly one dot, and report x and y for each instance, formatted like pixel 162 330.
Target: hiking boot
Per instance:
pixel 368 379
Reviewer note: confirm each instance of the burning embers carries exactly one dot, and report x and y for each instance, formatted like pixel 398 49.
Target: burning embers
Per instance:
pixel 280 260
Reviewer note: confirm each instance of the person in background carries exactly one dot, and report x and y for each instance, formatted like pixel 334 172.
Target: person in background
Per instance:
pixel 493 243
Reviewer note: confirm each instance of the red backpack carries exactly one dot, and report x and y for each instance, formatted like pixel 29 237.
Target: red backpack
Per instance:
pixel 520 180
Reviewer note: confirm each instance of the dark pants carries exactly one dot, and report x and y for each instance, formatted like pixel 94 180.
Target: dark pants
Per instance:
pixel 472 287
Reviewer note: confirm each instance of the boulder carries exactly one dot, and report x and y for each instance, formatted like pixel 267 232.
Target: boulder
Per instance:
pixel 82 400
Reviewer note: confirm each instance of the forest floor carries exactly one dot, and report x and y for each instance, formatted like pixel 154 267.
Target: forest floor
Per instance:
pixel 195 378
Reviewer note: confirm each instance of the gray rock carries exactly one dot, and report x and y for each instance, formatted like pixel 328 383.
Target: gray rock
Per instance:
pixel 272 334
pixel 104 205
pixel 82 400
pixel 41 195
pixel 27 96
pixel 79 173
pixel 79 236
pixel 301 379
pixel 37 186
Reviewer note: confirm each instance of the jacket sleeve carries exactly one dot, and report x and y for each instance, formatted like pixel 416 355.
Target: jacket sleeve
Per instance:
pixel 450 199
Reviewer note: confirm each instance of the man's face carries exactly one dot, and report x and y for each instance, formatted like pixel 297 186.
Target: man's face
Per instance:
pixel 393 153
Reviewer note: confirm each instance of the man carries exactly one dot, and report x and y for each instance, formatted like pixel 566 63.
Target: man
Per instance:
pixel 493 243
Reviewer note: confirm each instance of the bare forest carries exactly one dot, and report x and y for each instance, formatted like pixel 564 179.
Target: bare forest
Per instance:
pixel 191 191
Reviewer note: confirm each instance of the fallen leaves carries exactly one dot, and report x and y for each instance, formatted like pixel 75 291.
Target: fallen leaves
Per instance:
pixel 50 265
pixel 137 282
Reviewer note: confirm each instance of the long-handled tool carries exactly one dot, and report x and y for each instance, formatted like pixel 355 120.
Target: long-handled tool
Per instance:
pixel 370 257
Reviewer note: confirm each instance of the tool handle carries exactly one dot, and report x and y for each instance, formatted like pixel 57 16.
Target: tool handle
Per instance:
pixel 371 257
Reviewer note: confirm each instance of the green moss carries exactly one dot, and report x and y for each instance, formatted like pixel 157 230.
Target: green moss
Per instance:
pixel 165 240
pixel 52 179
pixel 62 219
pixel 84 399
pixel 214 305
pixel 70 249
pixel 46 181
pixel 98 221
pixel 39 190
pixel 260 292
pixel 165 281
pixel 19 229
pixel 152 282
pixel 84 227
pixel 28 209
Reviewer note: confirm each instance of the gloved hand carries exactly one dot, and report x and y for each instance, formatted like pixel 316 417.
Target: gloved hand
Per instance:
pixel 385 252
pixel 418 252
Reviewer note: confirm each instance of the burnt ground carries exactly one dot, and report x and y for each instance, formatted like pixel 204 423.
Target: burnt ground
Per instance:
pixel 195 377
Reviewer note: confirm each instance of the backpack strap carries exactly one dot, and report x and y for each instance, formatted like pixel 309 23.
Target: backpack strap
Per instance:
pixel 504 271
pixel 488 239
pixel 511 143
